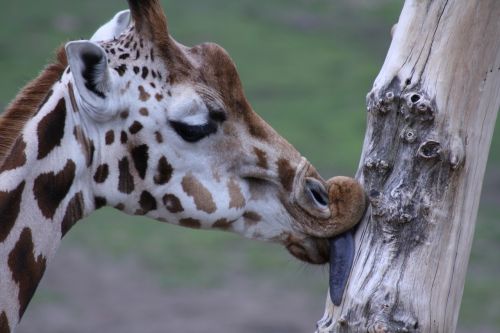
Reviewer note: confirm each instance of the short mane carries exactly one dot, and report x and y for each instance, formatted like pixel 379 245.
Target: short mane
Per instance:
pixel 27 102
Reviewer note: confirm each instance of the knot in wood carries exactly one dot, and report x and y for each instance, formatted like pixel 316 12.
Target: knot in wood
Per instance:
pixel 417 106
pixel 409 135
pixel 379 165
pixel 383 105
pixel 429 150
pixel 343 321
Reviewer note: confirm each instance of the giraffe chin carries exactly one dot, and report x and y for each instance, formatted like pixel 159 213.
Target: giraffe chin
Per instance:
pixel 311 250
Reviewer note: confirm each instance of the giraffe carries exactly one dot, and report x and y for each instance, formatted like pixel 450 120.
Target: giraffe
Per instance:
pixel 134 120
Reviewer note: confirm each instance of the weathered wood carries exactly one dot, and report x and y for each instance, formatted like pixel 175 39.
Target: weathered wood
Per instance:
pixel 431 116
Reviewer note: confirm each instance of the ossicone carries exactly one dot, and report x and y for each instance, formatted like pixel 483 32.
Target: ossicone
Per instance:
pixel 149 18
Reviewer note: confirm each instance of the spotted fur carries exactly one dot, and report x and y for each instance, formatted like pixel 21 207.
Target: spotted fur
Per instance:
pixel 126 181
pixel 200 194
pixel 18 156
pixel 27 270
pixel 50 129
pixel 163 171
pixel 10 205
pixel 51 188
pixel 74 213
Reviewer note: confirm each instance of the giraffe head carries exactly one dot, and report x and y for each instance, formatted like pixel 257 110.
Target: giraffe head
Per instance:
pixel 175 138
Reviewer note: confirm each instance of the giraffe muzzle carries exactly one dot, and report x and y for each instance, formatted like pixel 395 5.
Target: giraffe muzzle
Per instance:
pixel 331 207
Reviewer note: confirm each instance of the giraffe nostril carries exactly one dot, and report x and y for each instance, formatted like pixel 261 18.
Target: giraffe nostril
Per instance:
pixel 317 192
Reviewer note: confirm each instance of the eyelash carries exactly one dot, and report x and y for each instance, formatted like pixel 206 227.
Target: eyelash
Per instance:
pixel 194 133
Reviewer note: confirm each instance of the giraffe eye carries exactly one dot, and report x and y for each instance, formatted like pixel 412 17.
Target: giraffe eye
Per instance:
pixel 194 133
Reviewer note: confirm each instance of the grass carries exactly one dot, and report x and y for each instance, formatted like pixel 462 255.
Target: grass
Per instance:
pixel 306 67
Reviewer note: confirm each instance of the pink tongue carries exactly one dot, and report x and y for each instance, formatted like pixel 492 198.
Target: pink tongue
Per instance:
pixel 341 258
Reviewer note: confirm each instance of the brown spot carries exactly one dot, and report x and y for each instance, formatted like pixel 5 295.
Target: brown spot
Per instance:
pixel 124 56
pixel 145 72
pixel 261 158
pixel 237 198
pixel 143 95
pixel 72 98
pixel 74 212
pixel 255 125
pixel 172 203
pixel 159 97
pixel 125 180
pixel 90 156
pixel 190 223
pixel 50 188
pixel 86 145
pixel 202 197
pixel 286 174
pixel 123 137
pixel 251 218
pixel 124 114
pixel 159 137
pixel 4 323
pixel 120 206
pixel 26 269
pixel 144 112
pixel 135 128
pixel 50 130
pixel 140 156
pixel 17 156
pixel 147 202
pixel 222 224
pixel 121 69
pixel 164 171
pixel 101 174
pixel 110 137
pixel 10 205
pixel 100 202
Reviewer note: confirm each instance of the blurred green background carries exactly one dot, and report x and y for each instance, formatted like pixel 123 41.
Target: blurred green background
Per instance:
pixel 306 66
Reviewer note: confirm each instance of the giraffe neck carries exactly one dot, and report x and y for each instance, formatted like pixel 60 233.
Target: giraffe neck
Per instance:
pixel 42 194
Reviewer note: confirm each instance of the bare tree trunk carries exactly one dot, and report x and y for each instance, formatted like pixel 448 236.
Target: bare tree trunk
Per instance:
pixel 431 116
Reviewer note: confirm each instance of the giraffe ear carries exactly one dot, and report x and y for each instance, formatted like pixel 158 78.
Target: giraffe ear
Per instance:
pixel 89 66
pixel 114 28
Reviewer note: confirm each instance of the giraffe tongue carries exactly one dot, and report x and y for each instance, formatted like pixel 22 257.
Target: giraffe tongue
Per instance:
pixel 341 258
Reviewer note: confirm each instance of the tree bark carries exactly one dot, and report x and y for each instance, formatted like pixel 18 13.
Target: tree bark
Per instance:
pixel 431 116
